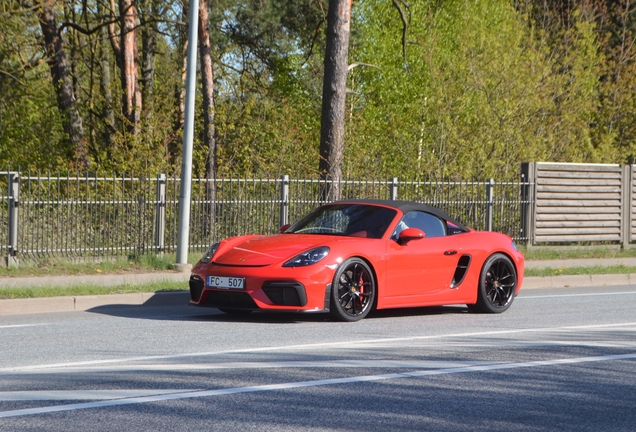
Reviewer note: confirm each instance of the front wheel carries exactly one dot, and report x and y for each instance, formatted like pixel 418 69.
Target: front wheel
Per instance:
pixel 353 291
pixel 497 285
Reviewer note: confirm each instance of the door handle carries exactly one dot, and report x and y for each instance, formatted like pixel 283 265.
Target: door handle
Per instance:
pixel 450 252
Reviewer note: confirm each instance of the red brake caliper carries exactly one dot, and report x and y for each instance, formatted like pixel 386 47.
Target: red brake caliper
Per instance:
pixel 361 289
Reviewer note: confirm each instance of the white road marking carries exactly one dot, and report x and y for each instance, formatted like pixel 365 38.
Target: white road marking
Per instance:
pixel 375 363
pixel 347 344
pixel 574 295
pixel 315 383
pixel 59 395
pixel 168 367
pixel 357 363
pixel 21 325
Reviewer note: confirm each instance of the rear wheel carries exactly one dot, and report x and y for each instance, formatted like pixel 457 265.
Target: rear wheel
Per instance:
pixel 497 285
pixel 353 291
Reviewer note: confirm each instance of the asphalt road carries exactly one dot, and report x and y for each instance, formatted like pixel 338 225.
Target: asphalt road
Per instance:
pixel 559 359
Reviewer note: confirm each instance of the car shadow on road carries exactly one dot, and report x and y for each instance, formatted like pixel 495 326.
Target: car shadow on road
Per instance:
pixel 418 311
pixel 190 313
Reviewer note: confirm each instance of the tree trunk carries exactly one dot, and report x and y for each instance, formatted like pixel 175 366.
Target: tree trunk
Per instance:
pixel 334 93
pixel 125 48
pixel 63 82
pixel 149 49
pixel 179 92
pixel 207 83
pixel 209 136
pixel 105 82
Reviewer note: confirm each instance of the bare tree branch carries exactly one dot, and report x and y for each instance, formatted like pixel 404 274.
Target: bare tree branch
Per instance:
pixel 83 30
pixel 405 24
pixel 313 42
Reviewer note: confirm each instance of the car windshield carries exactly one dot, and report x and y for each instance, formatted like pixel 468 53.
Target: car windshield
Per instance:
pixel 354 220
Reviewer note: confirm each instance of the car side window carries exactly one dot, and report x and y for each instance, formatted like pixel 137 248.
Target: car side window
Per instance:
pixel 431 225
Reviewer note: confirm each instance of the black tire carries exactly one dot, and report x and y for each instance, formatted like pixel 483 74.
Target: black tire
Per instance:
pixel 235 311
pixel 353 291
pixel 497 285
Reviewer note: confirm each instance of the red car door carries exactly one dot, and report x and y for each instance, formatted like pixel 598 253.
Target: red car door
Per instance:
pixel 421 267
pixel 424 266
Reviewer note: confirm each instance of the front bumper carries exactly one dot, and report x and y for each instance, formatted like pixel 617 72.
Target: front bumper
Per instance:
pixel 266 288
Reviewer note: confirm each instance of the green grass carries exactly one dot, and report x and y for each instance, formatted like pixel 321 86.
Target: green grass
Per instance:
pixel 593 270
pixel 573 253
pixel 83 290
pixel 57 267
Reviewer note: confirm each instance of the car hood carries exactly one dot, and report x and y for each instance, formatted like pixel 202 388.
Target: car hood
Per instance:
pixel 266 250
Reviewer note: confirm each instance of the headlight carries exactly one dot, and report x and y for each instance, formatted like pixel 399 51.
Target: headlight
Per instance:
pixel 209 253
pixel 308 258
pixel 514 245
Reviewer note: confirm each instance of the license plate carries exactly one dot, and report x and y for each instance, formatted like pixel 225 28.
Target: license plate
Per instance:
pixel 225 282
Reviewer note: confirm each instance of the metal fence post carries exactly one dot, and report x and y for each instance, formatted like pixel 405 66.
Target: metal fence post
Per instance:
pixel 394 189
pixel 626 203
pixel 14 204
pixel 160 214
pixel 284 201
pixel 489 190
pixel 528 190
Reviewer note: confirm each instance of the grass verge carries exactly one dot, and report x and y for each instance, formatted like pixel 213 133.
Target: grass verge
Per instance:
pixel 84 290
pixel 593 270
pixel 564 253
pixel 57 267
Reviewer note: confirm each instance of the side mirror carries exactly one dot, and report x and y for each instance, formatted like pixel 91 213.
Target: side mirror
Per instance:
pixel 410 234
pixel 284 228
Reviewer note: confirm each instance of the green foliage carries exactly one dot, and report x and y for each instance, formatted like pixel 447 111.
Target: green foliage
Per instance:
pixel 484 85
pixel 477 93
pixel 30 125
pixel 31 134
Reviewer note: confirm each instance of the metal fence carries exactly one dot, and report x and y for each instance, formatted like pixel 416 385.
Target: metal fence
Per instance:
pixel 44 216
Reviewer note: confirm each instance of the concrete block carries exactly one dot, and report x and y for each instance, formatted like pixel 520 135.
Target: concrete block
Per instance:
pixel 183 268
pixel 11 262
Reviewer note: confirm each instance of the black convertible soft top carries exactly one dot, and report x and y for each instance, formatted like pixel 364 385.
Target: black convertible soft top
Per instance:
pixel 407 206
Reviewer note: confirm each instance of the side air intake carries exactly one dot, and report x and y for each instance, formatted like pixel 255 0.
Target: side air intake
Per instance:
pixel 460 271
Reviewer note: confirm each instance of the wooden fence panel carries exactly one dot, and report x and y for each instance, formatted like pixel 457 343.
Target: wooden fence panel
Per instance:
pixel 578 202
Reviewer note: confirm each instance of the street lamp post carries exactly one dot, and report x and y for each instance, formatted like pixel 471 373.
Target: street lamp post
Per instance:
pixel 188 135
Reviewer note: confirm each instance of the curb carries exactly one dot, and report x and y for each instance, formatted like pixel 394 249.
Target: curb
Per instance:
pixel 574 281
pixel 84 303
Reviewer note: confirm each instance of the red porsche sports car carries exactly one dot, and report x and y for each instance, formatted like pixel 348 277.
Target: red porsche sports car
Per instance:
pixel 350 257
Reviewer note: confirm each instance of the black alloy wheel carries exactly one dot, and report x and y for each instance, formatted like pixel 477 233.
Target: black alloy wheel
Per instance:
pixel 497 285
pixel 353 291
